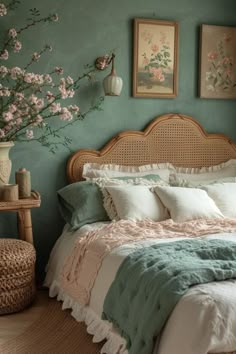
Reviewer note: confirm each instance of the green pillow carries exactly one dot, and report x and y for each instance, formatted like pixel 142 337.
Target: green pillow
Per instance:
pixel 81 203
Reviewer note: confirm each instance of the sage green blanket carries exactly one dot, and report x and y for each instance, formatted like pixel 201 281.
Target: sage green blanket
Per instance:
pixel 151 280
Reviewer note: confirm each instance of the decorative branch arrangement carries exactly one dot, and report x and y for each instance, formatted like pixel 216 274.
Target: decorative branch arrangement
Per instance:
pixel 32 103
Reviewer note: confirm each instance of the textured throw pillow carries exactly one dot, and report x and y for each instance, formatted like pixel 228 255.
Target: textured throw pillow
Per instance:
pixel 183 175
pixel 187 203
pixel 146 180
pixel 81 203
pixel 224 196
pixel 94 170
pixel 136 202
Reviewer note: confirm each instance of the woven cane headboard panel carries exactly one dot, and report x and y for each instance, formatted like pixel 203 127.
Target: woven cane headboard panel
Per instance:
pixel 172 138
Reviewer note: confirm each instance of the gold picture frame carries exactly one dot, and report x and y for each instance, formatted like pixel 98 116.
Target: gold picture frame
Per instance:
pixel 217 62
pixel 155 59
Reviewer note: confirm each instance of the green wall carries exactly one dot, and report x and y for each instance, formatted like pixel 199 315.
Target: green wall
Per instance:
pixel 88 29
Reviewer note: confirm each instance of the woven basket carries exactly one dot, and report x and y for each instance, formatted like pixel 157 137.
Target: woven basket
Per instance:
pixel 17 275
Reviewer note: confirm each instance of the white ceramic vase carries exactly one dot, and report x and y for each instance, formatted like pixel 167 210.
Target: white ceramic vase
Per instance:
pixel 5 162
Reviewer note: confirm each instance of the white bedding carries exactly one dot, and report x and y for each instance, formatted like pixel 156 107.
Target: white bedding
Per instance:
pixel 203 321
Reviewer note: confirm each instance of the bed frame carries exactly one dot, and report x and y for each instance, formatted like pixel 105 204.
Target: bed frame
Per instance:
pixel 174 138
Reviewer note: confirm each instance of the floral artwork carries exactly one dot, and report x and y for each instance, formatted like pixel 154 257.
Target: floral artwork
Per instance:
pixel 155 58
pixel 218 62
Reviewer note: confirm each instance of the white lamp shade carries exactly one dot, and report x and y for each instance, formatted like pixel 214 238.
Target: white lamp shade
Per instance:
pixel 112 85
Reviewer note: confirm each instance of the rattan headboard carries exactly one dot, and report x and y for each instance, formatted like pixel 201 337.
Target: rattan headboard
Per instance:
pixel 172 138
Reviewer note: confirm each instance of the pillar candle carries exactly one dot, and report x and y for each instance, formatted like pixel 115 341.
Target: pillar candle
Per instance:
pixel 24 182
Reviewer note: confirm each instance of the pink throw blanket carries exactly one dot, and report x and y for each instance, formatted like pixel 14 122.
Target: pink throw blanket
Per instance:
pixel 82 266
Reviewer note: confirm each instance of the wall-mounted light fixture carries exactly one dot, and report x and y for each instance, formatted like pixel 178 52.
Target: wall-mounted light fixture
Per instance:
pixel 112 84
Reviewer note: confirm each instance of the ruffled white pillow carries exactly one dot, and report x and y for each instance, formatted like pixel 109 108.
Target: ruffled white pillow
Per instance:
pixel 136 202
pixel 95 170
pixel 188 203
pixel 183 175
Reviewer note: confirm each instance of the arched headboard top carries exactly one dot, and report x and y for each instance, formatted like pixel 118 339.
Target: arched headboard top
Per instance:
pixel 174 138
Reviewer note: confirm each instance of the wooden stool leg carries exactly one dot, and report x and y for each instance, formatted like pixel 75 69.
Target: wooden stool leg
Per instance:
pixel 25 225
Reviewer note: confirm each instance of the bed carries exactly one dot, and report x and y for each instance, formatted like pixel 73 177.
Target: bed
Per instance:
pixel 203 321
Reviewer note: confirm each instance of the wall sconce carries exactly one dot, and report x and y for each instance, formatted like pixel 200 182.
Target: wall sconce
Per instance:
pixel 112 84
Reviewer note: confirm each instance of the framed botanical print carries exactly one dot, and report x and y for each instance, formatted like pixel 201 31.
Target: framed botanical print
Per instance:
pixel 155 59
pixel 217 62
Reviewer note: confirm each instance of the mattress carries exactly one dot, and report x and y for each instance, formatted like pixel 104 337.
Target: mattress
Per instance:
pixel 203 321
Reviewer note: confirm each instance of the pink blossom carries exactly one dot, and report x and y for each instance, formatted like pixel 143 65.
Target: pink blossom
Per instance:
pixel 20 96
pixel 55 108
pixel 4 54
pixel 39 119
pixel 66 114
pixel 7 128
pixel 47 79
pixel 7 116
pixel 12 33
pixel 3 10
pixel 38 79
pixel 73 108
pixel 12 123
pixel 55 17
pixel 62 89
pixel 3 71
pixel 58 70
pixel 29 133
pixel 69 80
pixel 33 99
pixel 18 121
pixel 17 46
pixel 29 78
pixel 50 96
pixel 16 72
pixel 4 92
pixel 154 47
pixel 35 56
pixel 70 93
pixel 12 108
pixel 40 103
pixel 227 60
pixel 64 93
pixel 2 133
pixel 212 55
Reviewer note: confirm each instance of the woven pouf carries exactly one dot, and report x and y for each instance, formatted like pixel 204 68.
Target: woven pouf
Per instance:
pixel 17 275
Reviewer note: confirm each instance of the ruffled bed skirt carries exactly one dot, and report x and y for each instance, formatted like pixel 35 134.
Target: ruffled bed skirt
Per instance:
pixel 100 330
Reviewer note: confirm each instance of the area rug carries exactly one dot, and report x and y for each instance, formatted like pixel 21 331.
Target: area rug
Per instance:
pixel 54 332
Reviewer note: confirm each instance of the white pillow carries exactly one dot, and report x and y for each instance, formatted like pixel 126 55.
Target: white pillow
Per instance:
pixel 94 170
pixel 134 202
pixel 224 195
pixel 223 170
pixel 187 203
pixel 182 182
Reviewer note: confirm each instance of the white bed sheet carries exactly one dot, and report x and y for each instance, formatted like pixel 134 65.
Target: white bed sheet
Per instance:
pixel 203 321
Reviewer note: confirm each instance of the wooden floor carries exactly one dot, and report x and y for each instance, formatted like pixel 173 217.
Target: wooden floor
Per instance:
pixel 15 324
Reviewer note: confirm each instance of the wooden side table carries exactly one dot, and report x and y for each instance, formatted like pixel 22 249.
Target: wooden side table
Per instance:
pixel 23 208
